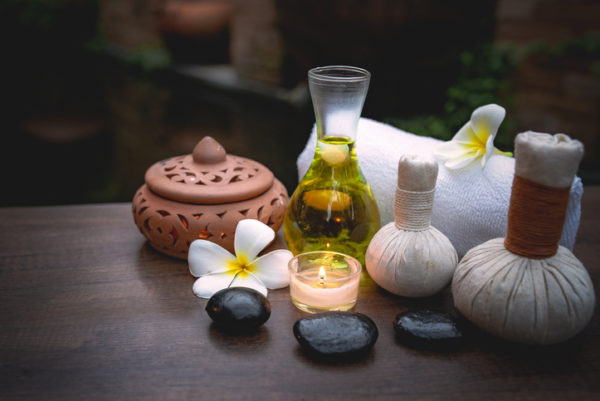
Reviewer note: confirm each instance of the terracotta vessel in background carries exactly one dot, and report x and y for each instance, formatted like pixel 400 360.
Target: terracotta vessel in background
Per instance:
pixel 204 195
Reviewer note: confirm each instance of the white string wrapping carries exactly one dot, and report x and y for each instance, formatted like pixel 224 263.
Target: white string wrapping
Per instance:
pixel 412 209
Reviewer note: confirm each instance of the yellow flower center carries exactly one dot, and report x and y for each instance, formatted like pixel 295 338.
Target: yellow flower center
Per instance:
pixel 240 265
pixel 475 143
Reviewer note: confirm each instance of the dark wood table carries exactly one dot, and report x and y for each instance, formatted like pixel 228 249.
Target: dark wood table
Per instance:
pixel 89 311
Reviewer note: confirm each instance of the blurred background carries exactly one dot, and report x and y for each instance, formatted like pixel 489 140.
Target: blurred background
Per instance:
pixel 95 91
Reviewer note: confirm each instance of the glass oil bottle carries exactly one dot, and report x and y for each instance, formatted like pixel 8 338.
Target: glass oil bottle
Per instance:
pixel 333 207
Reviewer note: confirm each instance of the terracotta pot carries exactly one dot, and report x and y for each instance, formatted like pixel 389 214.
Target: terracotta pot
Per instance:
pixel 196 32
pixel 204 195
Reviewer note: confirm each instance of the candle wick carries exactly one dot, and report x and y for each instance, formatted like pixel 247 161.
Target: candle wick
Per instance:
pixel 322 276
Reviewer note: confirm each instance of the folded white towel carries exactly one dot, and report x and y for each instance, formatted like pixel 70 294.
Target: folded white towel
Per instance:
pixel 470 205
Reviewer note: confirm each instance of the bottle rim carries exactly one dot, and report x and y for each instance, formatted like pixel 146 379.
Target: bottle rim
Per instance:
pixel 353 264
pixel 338 73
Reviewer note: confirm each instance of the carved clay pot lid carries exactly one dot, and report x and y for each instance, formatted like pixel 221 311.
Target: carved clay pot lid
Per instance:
pixel 208 175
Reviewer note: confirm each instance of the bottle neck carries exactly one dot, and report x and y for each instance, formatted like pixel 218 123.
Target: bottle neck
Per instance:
pixel 338 94
pixel 336 151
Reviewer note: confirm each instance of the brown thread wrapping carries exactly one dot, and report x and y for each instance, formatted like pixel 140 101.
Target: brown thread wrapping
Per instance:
pixel 535 218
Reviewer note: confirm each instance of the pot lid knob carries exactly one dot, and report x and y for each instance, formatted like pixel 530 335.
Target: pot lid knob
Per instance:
pixel 209 151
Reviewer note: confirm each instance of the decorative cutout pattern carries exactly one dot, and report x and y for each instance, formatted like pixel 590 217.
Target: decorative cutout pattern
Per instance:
pixel 175 170
pixel 235 178
pixel 171 226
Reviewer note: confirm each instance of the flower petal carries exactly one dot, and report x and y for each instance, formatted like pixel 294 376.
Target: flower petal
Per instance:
pixel 486 120
pixel 451 150
pixel 208 284
pixel 461 162
pixel 206 257
pixel 466 135
pixel 489 151
pixel 248 280
pixel 272 268
pixel 251 237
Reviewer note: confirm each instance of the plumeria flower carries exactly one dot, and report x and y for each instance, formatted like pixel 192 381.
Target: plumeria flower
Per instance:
pixel 217 268
pixel 475 140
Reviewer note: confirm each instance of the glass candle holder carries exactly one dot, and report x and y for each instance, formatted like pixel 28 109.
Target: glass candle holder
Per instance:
pixel 324 281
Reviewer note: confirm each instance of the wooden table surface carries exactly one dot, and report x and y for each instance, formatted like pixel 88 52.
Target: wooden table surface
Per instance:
pixel 89 311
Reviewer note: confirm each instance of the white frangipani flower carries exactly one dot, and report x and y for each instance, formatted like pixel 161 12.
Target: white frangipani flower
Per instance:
pixel 475 140
pixel 217 268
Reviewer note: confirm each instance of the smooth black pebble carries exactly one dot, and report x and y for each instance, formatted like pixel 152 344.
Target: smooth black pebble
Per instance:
pixel 427 329
pixel 238 309
pixel 336 334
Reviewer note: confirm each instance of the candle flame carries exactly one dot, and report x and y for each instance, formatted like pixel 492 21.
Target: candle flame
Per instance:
pixel 322 276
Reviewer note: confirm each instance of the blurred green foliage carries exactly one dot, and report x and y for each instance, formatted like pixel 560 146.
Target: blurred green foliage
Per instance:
pixel 586 47
pixel 485 78
pixel 147 58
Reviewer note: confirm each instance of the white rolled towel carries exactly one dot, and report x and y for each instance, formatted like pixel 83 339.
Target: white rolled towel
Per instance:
pixel 470 205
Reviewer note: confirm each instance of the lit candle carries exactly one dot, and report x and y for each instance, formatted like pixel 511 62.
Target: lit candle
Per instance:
pixel 324 281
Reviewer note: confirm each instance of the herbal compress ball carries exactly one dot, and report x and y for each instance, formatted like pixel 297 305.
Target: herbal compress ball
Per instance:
pixel 409 257
pixel 525 287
